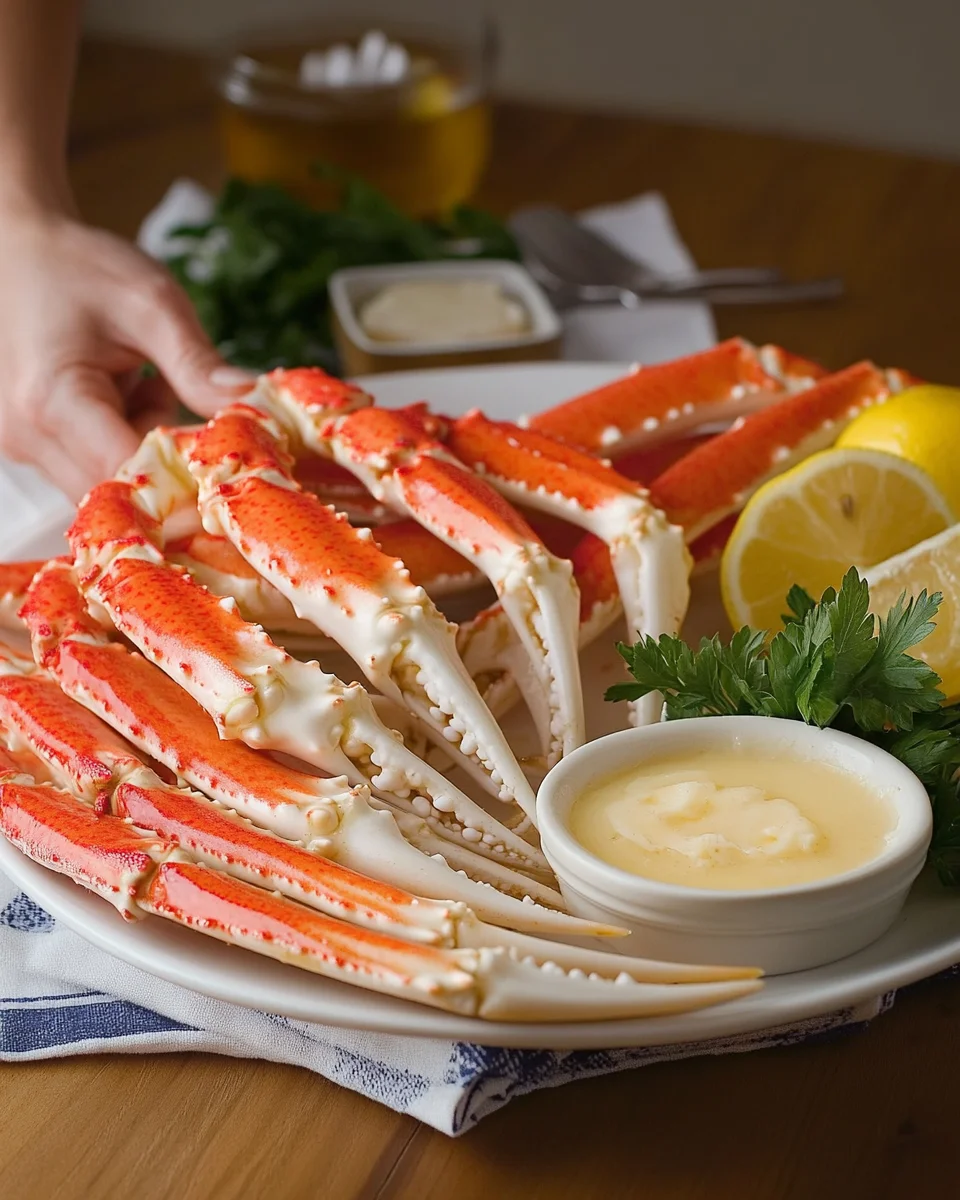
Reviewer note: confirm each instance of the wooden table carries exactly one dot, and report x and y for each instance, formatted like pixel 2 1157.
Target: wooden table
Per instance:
pixel 864 1116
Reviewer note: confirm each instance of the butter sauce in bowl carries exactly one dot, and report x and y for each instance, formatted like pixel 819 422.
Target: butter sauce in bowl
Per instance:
pixel 742 840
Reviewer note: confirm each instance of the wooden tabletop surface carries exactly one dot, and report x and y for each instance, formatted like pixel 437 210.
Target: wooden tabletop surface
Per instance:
pixel 867 1115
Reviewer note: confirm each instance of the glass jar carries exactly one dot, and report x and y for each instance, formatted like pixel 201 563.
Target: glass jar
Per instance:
pixel 400 103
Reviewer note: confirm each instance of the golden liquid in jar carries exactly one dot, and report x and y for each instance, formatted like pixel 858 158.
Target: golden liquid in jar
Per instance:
pixel 423 146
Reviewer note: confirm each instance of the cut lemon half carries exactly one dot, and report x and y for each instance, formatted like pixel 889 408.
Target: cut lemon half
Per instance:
pixel 836 509
pixel 934 564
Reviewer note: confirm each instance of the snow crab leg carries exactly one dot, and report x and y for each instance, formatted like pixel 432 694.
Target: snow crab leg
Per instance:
pixel 718 477
pixel 659 402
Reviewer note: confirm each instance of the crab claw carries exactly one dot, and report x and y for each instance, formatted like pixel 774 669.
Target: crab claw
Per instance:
pixel 493 656
pixel 648 555
pixel 394 454
pixel 718 477
pixel 493 982
pixel 659 402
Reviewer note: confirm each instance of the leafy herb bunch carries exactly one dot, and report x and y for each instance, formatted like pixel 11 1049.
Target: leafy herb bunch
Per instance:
pixel 832 664
pixel 257 271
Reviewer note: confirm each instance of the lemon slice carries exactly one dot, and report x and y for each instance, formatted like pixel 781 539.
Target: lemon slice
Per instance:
pixel 934 564
pixel 836 509
pixel 922 425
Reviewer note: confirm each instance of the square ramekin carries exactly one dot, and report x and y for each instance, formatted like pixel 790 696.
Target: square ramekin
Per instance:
pixel 362 355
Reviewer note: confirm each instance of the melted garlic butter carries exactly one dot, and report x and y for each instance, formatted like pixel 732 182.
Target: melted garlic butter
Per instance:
pixel 443 312
pixel 728 819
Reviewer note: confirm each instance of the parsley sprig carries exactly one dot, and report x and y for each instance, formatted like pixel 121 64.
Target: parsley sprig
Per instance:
pixel 257 271
pixel 832 664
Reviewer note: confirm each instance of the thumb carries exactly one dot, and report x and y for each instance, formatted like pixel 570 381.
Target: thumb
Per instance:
pixel 171 336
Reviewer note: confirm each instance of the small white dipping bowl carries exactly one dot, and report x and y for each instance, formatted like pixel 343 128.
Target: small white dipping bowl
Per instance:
pixel 778 929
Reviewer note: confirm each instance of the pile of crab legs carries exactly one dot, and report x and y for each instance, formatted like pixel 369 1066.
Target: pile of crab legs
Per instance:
pixel 162 749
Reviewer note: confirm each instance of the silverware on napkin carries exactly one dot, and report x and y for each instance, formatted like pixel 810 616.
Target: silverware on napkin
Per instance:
pixel 578 266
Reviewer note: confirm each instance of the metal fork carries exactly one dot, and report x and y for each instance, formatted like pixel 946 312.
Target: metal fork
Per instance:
pixel 580 266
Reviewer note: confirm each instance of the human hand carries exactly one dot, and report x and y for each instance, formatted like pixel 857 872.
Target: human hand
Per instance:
pixel 81 311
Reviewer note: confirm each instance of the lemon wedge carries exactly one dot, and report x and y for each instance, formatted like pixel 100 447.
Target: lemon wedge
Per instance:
pixel 836 509
pixel 922 425
pixel 934 564
pixel 431 97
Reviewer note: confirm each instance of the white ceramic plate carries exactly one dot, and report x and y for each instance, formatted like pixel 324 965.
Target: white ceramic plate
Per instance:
pixel 925 939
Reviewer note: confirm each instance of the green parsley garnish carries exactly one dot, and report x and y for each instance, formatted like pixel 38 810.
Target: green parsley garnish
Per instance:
pixel 832 664
pixel 257 271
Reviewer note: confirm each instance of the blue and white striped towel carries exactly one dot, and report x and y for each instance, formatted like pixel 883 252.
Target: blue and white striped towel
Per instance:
pixel 59 996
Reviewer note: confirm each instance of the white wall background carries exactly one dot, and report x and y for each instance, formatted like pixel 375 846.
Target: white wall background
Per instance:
pixel 877 72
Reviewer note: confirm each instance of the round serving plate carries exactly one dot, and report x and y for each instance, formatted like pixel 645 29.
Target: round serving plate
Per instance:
pixel 925 939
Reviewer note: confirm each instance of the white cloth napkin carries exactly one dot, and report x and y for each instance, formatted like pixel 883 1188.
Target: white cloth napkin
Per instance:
pixel 60 996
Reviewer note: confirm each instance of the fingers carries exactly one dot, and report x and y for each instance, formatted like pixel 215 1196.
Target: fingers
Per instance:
pixel 82 416
pixel 62 470
pixel 151 402
pixel 166 330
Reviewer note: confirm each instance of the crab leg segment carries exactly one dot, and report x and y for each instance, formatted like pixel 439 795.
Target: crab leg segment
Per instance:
pixel 494 657
pixel 101 853
pixel 215 563
pixel 346 586
pixel 659 402
pixel 14 580
pixel 432 564
pixel 396 456
pixel 718 477
pixel 649 559
pixel 221 839
pixel 219 566
pixel 72 742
